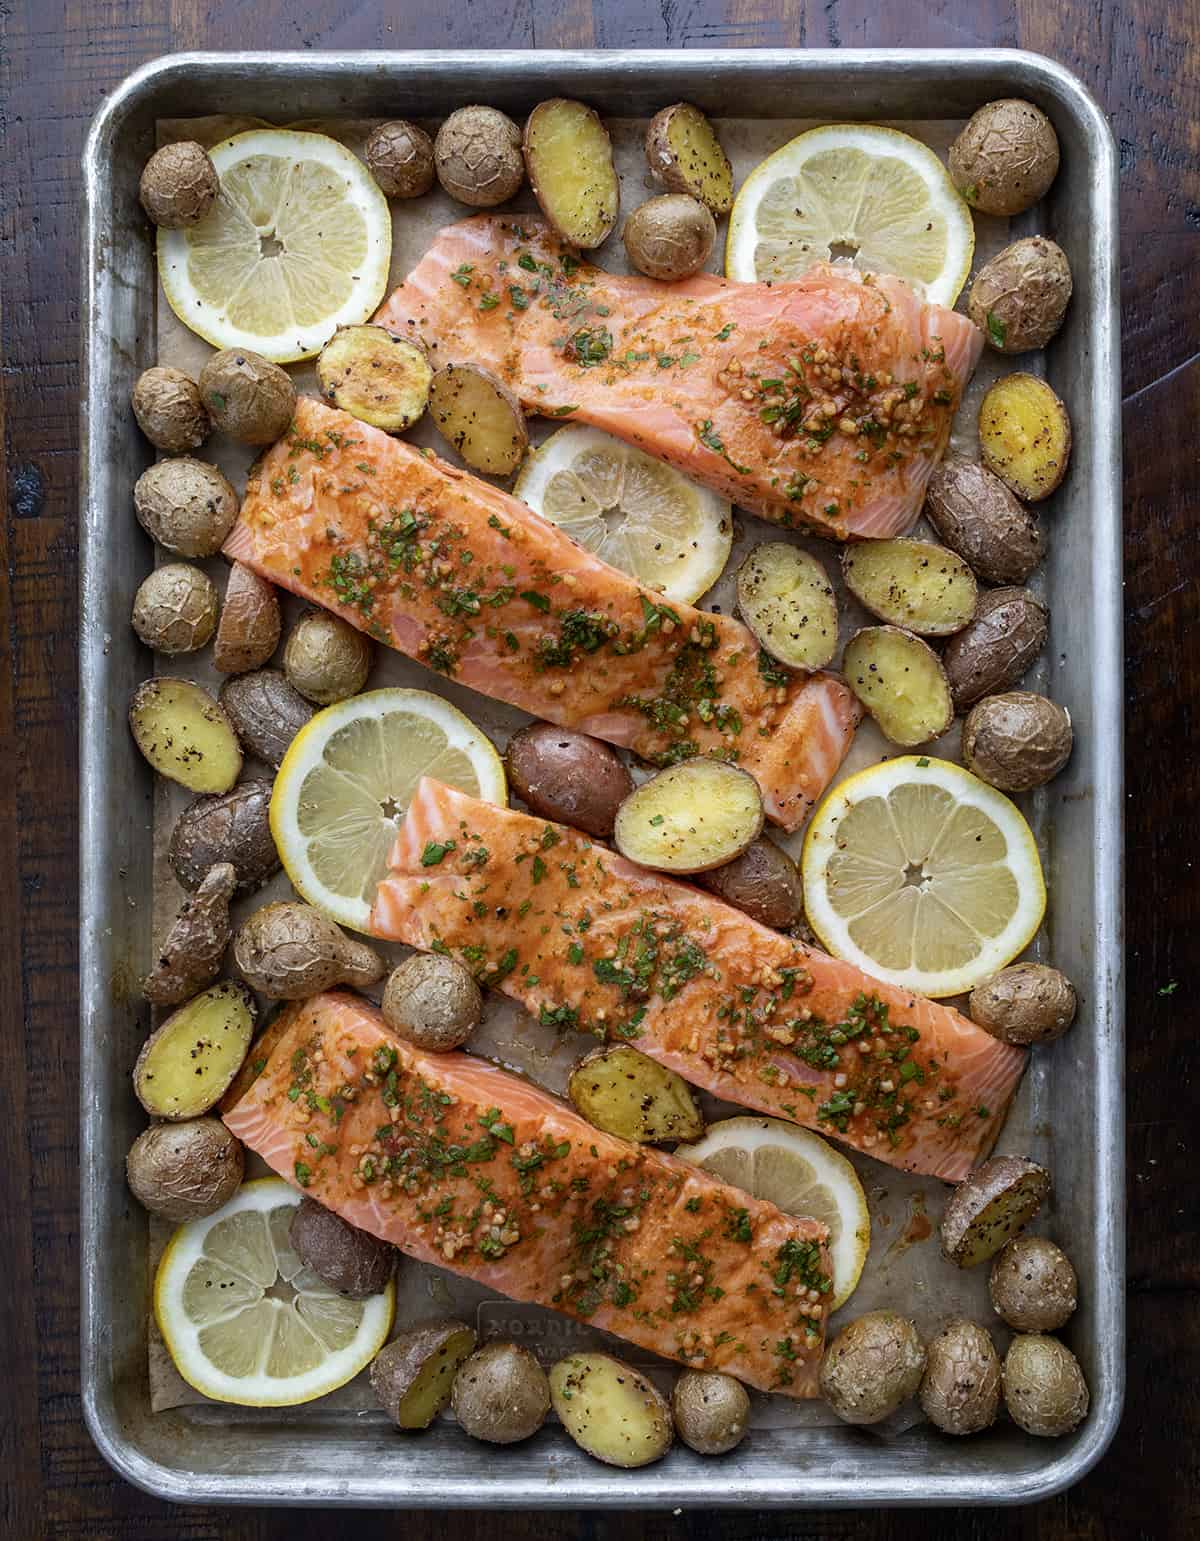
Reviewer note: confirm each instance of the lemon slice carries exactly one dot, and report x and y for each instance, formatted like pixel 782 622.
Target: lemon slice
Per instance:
pixel 246 1322
pixel 799 1173
pixel 630 510
pixel 923 875
pixel 859 191
pixel 296 245
pixel 348 777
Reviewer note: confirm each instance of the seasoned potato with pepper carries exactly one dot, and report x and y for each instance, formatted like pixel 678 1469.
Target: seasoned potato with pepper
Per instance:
pixel 567 777
pixel 911 583
pixel 247 396
pixel 376 376
pixel 413 1374
pixel 624 1092
pixel 1033 1285
pixel 684 153
pixel 351 1261
pixel 186 1064
pixel 501 1394
pixel 873 1365
pixel 786 599
pixel 1017 740
pixel 960 1390
pixel 186 505
pixel 712 1411
pixel 183 1171
pixel 763 882
pixel 690 817
pixel 901 682
pixel 998 1199
pixel 191 952
pixel 233 827
pixel 568 156
pixel 1025 436
pixel 251 620
pixel 185 735
pixel 175 609
pixel 477 154
pixel 1024 1003
pixel 399 155
pixel 169 411
pixel 1044 1387
pixel 480 417
pixel 998 647
pixel 610 1410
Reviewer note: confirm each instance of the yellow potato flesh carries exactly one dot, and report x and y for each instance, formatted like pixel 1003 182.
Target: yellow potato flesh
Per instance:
pixel 625 1093
pixel 786 599
pixel 185 735
pixel 478 416
pixel 690 818
pixel 375 376
pixel 188 1063
pixel 1025 435
pixel 569 158
pixel 610 1410
pixel 912 583
pixel 901 683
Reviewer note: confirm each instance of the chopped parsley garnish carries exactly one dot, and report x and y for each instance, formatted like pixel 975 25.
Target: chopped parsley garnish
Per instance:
pixel 435 851
pixel 462 275
pixel 997 329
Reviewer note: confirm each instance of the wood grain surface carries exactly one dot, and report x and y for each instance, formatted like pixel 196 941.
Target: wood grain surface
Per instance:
pixel 57 59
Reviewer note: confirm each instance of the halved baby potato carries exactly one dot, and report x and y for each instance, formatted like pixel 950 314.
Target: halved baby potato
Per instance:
pixel 480 417
pixel 785 597
pixel 626 1093
pixel 916 584
pixel 188 1063
pixel 1025 435
pixel 996 1201
pixel 185 735
pixel 568 156
pixel 610 1410
pixel 376 376
pixel 690 817
pixel 683 150
pixel 901 682
pixel 413 1374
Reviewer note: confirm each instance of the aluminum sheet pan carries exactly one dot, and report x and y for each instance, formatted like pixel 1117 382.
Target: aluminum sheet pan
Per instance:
pixel 1070 1110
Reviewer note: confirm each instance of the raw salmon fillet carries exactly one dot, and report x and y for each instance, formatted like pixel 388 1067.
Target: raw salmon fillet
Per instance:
pixel 461 1164
pixel 822 404
pixel 466 579
pixel 586 940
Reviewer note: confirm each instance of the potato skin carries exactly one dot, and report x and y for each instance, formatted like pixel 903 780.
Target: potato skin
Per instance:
pixel 1032 1285
pixel 353 1262
pixel 873 1365
pixel 179 185
pixel 477 154
pixel 169 409
pixel 175 609
pixel 230 827
pixel 266 712
pixel 979 517
pixel 960 1390
pixel 186 505
pixel 711 1411
pixel 712 184
pixel 399 156
pixel 998 647
pixel 999 1198
pixel 251 620
pixel 1044 1388
pixel 1005 158
pixel 186 1170
pixel 1019 298
pixel 669 237
pixel 432 1001
pixel 1017 740
pixel 763 882
pixel 247 396
pixel 501 1394
pixel 1024 1003
pixel 191 952
pixel 397 1366
pixel 568 777
pixel 290 951
pixel 326 659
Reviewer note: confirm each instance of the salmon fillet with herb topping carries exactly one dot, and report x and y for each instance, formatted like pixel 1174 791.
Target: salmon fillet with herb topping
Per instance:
pixel 466 579
pixel 588 941
pixel 822 404
pixel 459 1163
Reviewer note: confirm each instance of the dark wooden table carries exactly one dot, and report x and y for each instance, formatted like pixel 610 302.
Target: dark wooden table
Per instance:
pixel 57 59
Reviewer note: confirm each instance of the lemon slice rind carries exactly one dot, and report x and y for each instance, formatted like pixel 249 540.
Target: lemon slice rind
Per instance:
pixel 861 186
pixel 801 1174
pixel 345 782
pixel 636 513
pixel 317 1324
pixel 306 194
pixel 922 875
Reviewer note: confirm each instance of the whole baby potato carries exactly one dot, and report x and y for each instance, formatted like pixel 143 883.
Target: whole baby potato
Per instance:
pixel 669 237
pixel 1017 740
pixel 432 1001
pixel 169 409
pixel 501 1394
pixel 1024 1003
pixel 711 1411
pixel 478 156
pixel 1032 1285
pixel 247 396
pixel 175 609
pixel 266 712
pixel 325 658
pixel 1044 1388
pixel 186 505
pixel 873 1365
pixel 400 158
pixel 1019 298
pixel 179 185
pixel 997 647
pixel 568 777
pixel 960 1390
pixel 183 1171
pixel 1005 158
pixel 349 1260
pixel 979 517
pixel 232 827
pixel 290 951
